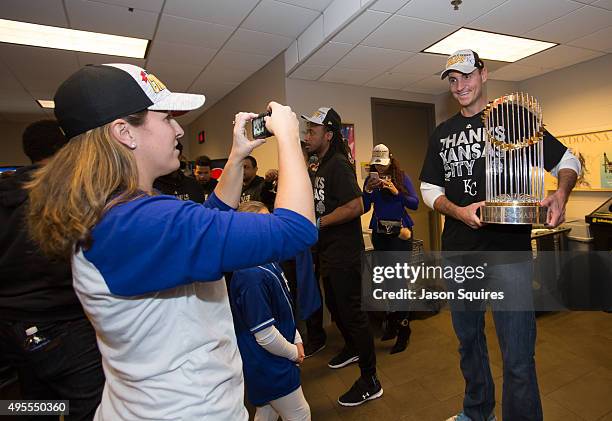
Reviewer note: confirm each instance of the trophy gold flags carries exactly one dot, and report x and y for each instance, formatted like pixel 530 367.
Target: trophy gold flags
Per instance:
pixel 514 152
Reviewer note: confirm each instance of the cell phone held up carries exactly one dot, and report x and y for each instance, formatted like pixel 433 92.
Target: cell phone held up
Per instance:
pixel 258 124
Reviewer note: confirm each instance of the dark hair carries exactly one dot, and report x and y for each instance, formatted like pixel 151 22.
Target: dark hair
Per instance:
pixel 42 139
pixel 397 175
pixel 338 144
pixel 253 161
pixel 203 161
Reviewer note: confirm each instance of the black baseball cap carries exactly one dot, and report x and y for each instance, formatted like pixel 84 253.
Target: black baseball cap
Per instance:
pixel 325 116
pixel 98 94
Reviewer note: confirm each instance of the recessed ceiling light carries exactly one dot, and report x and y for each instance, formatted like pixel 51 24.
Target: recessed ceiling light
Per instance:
pixel 489 46
pixel 46 103
pixel 23 33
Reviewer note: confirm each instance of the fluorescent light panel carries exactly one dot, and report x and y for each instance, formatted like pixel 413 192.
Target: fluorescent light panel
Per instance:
pixel 70 39
pixel 46 103
pixel 489 46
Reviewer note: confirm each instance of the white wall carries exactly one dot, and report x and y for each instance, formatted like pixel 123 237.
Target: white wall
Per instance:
pixel 254 94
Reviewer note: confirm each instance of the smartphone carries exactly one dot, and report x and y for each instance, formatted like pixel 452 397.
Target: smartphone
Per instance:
pixel 258 124
pixel 374 175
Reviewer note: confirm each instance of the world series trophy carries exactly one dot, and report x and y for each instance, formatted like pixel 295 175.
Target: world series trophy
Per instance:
pixel 514 153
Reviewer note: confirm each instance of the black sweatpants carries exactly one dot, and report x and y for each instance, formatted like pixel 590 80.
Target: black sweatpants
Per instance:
pixel 343 300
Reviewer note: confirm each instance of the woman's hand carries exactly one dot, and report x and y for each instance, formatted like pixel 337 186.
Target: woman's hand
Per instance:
pixel 283 122
pixel 242 146
pixel 388 184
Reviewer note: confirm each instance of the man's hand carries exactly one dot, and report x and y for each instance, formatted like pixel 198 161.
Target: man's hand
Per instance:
pixel 556 208
pixel 467 215
pixel 301 354
pixel 271 175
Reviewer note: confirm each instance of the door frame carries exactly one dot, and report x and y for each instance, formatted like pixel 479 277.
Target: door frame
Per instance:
pixel 435 218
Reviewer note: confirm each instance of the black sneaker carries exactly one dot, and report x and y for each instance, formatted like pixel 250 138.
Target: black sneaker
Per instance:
pixel 343 359
pixel 310 349
pixel 362 391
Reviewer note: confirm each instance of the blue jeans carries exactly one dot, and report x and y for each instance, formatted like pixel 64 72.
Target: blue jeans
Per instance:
pixel 516 332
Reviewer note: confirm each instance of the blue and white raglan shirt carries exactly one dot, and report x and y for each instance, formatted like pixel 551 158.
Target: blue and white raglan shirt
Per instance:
pixel 152 285
pixel 260 298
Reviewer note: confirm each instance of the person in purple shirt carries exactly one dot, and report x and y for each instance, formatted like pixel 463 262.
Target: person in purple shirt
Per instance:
pixel 391 193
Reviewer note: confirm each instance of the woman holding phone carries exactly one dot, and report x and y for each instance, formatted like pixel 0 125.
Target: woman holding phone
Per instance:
pixel 148 268
pixel 391 192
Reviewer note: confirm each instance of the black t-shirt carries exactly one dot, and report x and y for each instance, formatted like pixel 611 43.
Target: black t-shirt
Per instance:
pixel 208 187
pixel 334 185
pixel 259 190
pixel 455 160
pixel 179 185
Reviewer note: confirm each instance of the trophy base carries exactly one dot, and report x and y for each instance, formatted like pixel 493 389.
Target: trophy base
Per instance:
pixel 513 214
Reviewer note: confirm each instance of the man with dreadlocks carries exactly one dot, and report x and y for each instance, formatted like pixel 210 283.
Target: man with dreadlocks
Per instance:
pixel 338 208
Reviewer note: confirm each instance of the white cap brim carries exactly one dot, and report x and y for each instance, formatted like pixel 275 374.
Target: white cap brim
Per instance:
pixel 380 161
pixel 312 120
pixel 179 102
pixel 465 68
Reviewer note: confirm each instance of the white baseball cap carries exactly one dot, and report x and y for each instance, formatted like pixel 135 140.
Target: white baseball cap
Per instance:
pixel 464 61
pixel 380 155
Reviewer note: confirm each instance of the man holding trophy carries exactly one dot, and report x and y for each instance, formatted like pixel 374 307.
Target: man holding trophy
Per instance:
pixel 484 171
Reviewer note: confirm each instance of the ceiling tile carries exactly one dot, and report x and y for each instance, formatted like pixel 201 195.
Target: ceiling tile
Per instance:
pixel 39 69
pixel 181 53
pixel 606 4
pixel 348 76
pixel 422 63
pixel 117 20
pixel 229 13
pixel 149 5
pixel 408 34
pixel 516 17
pixel 220 74
pixel 8 82
pixel 236 60
pixel 311 38
pixel 338 13
pixel 280 18
pixel 516 72
pixel 319 5
pixel 211 87
pixel 559 56
pixel 329 54
pixel 431 85
pixel 176 76
pixel 254 42
pixel 193 32
pixel 308 72
pixel 361 27
pixel 49 12
pixel 576 24
pixel 393 80
pixel 390 6
pixel 89 58
pixel 442 11
pixel 600 40
pixel 372 58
